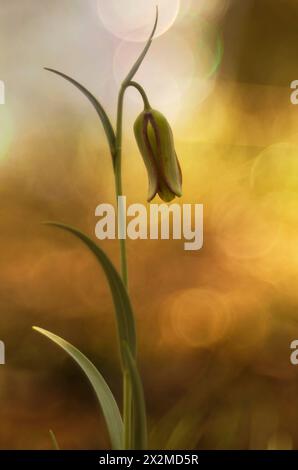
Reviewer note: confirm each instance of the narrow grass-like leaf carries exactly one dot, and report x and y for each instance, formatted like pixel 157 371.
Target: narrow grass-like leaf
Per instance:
pixel 139 407
pixel 54 440
pixel 123 308
pixel 138 63
pixel 98 107
pixel 104 395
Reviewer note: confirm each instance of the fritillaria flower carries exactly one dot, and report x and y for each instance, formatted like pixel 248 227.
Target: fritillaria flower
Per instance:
pixel 155 140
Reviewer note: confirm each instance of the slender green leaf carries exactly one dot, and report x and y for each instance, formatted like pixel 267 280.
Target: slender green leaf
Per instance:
pixel 138 63
pixel 98 107
pixel 104 395
pixel 139 407
pixel 123 308
pixel 54 440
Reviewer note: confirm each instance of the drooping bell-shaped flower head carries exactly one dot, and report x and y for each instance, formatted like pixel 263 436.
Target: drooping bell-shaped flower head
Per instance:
pixel 155 140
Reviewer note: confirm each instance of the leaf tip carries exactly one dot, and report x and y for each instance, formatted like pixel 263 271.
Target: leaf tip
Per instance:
pixel 156 20
pixel 54 440
pixel 51 223
pixel 36 328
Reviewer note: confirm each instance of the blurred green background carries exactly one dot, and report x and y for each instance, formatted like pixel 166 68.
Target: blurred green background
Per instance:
pixel 215 325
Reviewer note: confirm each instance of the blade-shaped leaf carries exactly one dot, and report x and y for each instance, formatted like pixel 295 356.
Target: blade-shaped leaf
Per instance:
pixel 138 63
pixel 54 440
pixel 98 107
pixel 104 395
pixel 139 407
pixel 123 308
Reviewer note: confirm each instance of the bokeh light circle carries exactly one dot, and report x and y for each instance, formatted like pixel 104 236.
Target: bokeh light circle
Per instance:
pixel 132 20
pixel 245 226
pixel 166 74
pixel 210 48
pixel 275 173
pixel 275 169
pixel 199 318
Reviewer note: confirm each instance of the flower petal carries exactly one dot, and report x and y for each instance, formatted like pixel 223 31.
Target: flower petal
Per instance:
pixel 140 130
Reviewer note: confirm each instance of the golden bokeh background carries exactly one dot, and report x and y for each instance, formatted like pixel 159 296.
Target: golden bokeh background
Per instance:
pixel 214 326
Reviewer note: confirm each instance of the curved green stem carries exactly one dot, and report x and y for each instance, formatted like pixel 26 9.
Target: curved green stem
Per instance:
pixel 142 93
pixel 117 166
pixel 127 392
